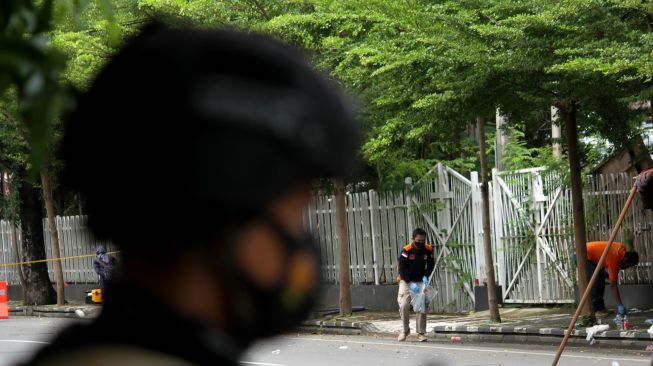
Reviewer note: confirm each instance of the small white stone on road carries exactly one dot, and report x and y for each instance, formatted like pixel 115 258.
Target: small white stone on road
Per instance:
pixel 276 351
pixel 80 313
pixel 344 347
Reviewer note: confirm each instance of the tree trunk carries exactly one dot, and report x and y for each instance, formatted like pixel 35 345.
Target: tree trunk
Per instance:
pixel 54 236
pixel 578 210
pixel 343 247
pixel 37 286
pixel 487 240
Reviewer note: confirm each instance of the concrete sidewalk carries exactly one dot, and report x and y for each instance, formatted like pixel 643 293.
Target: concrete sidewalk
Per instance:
pixel 55 311
pixel 528 325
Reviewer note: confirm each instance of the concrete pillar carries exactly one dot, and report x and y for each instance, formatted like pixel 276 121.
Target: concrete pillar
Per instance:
pixel 500 140
pixel 556 133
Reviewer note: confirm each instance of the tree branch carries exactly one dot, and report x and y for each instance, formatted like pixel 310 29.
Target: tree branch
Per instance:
pixel 261 8
pixel 527 88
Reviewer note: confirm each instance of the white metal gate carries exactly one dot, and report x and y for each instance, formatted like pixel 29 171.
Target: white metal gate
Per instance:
pixel 444 203
pixel 533 232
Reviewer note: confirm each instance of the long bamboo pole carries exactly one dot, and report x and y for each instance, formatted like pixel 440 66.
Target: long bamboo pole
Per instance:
pixel 599 268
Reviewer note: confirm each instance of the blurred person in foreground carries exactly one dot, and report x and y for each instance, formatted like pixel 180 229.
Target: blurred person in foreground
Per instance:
pixel 220 135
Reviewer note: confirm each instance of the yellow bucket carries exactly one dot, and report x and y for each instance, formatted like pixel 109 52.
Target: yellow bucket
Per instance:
pixel 96 295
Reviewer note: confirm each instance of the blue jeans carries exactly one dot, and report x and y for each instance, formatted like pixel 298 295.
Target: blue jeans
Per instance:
pixel 599 286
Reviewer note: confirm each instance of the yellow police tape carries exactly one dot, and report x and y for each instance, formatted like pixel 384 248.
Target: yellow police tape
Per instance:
pixel 52 259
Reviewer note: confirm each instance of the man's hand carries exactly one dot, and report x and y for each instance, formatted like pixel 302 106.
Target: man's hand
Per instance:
pixel 414 288
pixel 426 281
pixel 621 310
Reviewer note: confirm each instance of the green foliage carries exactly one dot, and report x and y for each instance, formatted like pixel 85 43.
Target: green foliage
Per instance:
pixel 586 320
pixel 32 69
pixel 419 70
pixel 50 48
pixel 88 35
pixel 37 38
pixel 516 154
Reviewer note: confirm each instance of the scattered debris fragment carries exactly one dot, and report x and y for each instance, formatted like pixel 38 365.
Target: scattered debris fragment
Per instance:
pixel 593 330
pixel 619 321
pixel 276 351
pixel 343 347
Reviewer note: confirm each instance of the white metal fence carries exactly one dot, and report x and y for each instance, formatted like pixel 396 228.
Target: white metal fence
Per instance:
pixel 604 197
pixel 76 243
pixel 378 227
pixel 8 254
pixel 530 219
pixel 532 235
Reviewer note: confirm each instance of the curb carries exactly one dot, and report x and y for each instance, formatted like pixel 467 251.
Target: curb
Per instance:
pixel 55 311
pixel 336 324
pixel 609 334
pixel 631 339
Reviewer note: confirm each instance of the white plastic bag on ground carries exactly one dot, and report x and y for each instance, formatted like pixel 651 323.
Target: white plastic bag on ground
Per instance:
pixel 595 329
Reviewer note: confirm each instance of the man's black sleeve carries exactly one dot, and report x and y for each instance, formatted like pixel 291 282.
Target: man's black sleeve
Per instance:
pixel 403 266
pixel 430 264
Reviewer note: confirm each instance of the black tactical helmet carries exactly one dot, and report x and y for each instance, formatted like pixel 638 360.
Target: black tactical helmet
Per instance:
pixel 184 129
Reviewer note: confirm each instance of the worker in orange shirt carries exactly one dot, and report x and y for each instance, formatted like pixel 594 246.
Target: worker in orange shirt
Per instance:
pixel 618 258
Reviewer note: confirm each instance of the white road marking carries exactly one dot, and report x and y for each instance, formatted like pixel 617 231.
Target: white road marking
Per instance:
pixel 39 342
pixel 488 350
pixel 22 341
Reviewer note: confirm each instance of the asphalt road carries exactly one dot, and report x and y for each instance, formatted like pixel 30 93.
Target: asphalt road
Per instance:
pixel 363 351
pixel 20 337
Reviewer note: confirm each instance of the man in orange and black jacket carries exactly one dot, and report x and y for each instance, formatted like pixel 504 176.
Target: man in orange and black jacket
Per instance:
pixel 415 267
